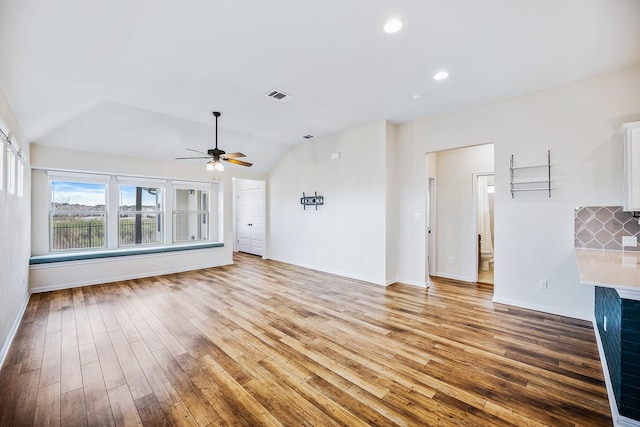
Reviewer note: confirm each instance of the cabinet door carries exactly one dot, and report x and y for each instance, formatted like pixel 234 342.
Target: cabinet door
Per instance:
pixel 631 169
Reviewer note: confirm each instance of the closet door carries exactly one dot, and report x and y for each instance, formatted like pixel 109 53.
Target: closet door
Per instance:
pixel 250 221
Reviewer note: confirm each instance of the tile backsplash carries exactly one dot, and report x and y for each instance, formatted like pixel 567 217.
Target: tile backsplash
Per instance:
pixel 602 227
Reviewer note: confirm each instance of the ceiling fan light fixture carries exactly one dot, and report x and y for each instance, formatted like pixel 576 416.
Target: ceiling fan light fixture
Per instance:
pixel 215 165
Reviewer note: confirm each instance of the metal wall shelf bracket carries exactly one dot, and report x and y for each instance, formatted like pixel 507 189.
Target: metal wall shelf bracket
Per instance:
pixel 526 185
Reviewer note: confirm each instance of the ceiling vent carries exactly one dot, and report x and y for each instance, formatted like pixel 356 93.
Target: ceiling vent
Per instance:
pixel 279 96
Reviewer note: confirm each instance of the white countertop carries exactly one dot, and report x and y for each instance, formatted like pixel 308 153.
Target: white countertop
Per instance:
pixel 613 269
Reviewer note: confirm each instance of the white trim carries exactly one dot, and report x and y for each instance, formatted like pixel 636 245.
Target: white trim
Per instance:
pixel 13 330
pixel 137 182
pixel 4 128
pixel 20 177
pixel 410 282
pixel 541 308
pixel 331 271
pixel 127 277
pixel 2 180
pixel 55 175
pixel 474 216
pixel 11 170
pixel 192 185
pixel 618 420
pixel 14 145
pixel 454 277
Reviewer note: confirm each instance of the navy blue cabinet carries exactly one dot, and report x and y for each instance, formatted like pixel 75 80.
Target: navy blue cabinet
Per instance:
pixel 618 321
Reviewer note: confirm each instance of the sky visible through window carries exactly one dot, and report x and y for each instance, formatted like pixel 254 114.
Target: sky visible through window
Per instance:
pixel 89 194
pixel 128 196
pixel 78 193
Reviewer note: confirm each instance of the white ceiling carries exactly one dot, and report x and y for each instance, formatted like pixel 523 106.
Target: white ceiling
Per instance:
pixel 141 77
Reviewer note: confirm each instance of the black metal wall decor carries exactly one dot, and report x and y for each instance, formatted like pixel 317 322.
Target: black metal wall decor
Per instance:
pixel 311 200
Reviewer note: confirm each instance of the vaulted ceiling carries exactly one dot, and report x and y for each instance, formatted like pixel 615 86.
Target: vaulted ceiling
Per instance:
pixel 141 77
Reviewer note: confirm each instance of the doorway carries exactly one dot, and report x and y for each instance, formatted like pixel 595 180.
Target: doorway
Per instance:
pixel 484 208
pixel 451 218
pixel 250 224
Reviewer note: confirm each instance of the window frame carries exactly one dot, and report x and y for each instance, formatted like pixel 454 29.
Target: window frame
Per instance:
pixel 20 176
pixel 158 211
pixel 79 179
pixel 11 169
pixel 206 191
pixel 211 197
pixel 4 145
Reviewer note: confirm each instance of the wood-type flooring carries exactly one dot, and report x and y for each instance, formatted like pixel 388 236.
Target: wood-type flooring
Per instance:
pixel 263 343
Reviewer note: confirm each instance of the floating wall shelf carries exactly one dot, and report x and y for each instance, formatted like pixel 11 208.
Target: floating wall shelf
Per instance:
pixel 538 177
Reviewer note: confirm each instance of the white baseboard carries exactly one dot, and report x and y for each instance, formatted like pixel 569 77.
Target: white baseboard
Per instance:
pixel 13 331
pixel 124 277
pixel 454 277
pixel 618 420
pixel 332 271
pixel 542 308
pixel 412 283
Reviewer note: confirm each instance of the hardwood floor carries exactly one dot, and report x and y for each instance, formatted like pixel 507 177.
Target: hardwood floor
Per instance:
pixel 266 343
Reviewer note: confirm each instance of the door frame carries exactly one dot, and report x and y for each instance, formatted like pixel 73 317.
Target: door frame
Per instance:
pixel 236 182
pixel 474 215
pixel 431 228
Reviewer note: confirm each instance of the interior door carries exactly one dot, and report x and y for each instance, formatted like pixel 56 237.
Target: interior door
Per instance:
pixel 250 224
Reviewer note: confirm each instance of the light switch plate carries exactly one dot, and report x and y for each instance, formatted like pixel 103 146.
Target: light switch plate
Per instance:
pixel 629 241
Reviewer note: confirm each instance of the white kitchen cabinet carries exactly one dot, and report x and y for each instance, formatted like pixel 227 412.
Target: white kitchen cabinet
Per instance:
pixel 631 168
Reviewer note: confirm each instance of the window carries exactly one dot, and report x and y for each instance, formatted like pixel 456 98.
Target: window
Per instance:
pixel 78 215
pixel 4 135
pixel 11 170
pixel 20 187
pixel 1 161
pixel 140 216
pixel 87 213
pixel 191 215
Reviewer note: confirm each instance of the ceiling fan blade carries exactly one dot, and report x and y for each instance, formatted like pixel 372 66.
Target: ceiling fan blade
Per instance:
pixel 188 158
pixel 197 151
pixel 232 155
pixel 238 162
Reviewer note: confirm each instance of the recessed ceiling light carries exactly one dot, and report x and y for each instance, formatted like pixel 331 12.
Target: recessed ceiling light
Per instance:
pixel 392 26
pixel 440 75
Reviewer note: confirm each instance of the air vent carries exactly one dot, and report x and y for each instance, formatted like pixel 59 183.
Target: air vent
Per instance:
pixel 279 96
pixel 308 136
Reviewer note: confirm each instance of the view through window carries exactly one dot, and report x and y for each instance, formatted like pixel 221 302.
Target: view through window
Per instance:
pixel 78 215
pixel 140 216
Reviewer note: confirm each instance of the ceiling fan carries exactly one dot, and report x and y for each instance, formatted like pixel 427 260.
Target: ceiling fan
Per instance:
pixel 216 155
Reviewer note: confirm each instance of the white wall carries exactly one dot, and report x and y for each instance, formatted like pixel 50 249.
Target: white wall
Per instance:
pixel 347 235
pixel 455 209
pixel 58 275
pixel 14 237
pixel 578 122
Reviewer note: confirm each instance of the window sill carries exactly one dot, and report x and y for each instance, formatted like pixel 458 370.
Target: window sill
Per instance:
pixel 110 253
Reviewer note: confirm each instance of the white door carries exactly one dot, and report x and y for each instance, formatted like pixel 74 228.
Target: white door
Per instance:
pixel 250 221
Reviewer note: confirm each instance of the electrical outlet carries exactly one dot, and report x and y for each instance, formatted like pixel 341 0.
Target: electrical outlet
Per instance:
pixel 630 241
pixel 605 323
pixel 543 284
pixel 450 260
